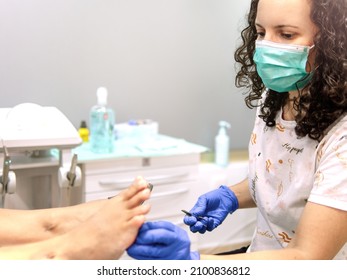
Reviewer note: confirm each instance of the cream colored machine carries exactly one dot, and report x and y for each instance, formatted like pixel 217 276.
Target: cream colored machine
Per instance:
pixel 38 167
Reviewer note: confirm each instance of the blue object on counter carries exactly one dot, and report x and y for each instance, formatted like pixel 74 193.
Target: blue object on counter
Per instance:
pixel 141 130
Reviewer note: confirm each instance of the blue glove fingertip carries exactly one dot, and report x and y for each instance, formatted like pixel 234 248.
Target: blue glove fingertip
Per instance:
pixel 202 230
pixel 189 220
pixel 200 226
pixel 211 224
pixel 195 255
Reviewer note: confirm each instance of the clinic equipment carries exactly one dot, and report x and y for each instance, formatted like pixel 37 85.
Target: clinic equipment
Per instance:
pixel 7 178
pixel 39 170
pixel 139 129
pixel 222 145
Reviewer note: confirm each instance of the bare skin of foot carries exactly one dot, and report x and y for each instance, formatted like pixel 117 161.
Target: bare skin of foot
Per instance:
pixel 104 232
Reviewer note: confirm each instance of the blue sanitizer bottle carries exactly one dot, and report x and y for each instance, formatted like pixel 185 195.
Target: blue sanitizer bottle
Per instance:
pixel 102 121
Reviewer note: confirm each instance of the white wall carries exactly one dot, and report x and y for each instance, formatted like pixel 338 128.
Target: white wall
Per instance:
pixel 169 60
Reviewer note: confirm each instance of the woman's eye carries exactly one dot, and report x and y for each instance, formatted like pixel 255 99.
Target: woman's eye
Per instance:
pixel 260 34
pixel 287 35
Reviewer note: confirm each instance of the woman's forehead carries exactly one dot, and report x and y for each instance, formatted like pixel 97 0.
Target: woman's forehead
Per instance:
pixel 284 12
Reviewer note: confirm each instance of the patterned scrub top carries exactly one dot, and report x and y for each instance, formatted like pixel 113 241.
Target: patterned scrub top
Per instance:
pixel 286 171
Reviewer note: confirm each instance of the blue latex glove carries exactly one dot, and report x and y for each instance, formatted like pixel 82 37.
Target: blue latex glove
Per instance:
pixel 211 209
pixel 162 241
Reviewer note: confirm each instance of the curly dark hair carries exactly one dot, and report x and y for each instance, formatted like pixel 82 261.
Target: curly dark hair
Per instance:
pixel 324 99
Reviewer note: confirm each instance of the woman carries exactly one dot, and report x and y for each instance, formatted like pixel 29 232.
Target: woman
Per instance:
pixel 294 64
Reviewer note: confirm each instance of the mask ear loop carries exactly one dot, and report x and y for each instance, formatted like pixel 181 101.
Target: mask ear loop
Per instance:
pixel 308 63
pixel 300 91
pixel 310 73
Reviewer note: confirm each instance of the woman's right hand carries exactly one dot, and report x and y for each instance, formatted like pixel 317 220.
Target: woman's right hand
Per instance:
pixel 211 209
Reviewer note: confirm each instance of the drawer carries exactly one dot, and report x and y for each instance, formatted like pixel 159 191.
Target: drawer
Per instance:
pixel 113 181
pixel 132 164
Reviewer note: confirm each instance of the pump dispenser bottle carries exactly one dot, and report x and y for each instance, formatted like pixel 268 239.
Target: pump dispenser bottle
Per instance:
pixel 222 145
pixel 102 120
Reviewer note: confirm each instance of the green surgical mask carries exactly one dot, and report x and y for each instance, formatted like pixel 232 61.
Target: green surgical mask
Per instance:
pixel 282 67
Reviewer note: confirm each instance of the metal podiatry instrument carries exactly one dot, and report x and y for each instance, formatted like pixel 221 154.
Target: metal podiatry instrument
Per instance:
pixel 199 218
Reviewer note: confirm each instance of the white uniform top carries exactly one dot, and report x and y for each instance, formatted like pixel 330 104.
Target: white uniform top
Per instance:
pixel 286 171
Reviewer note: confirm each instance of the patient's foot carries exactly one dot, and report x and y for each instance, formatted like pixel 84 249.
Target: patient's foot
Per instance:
pixel 112 229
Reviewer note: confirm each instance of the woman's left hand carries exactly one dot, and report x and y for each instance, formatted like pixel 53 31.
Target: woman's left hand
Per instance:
pixel 162 240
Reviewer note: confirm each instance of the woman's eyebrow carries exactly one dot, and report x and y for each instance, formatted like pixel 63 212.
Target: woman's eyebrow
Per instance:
pixel 278 26
pixel 286 25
